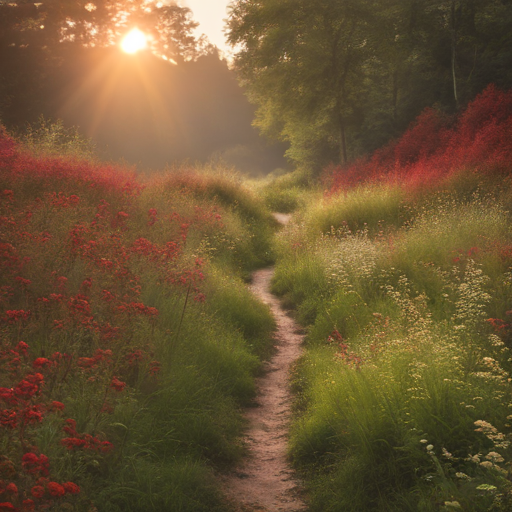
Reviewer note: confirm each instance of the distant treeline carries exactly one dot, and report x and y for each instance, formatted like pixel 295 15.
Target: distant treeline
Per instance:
pixel 61 63
pixel 338 79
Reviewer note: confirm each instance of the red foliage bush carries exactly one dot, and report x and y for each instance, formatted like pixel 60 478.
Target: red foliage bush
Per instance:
pixel 435 146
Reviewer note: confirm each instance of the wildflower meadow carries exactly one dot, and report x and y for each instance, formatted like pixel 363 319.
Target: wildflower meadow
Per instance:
pixel 129 342
pixel 400 267
pixel 128 339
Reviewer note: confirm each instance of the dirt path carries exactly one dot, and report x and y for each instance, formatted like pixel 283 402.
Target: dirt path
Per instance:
pixel 265 480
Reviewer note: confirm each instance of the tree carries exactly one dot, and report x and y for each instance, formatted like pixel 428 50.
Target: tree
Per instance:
pixel 38 40
pixel 100 23
pixel 338 78
pixel 302 64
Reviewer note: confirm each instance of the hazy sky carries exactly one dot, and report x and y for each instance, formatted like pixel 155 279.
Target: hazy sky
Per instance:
pixel 210 14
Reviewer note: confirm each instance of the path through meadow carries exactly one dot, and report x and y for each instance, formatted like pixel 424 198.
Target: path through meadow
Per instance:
pixel 265 481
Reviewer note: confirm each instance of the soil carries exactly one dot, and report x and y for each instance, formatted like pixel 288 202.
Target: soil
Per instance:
pixel 265 481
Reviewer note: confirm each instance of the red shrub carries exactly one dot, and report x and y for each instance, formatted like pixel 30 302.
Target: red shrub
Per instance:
pixel 434 147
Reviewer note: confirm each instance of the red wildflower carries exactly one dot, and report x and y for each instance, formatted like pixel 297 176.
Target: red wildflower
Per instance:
pixel 11 487
pixel 87 283
pixel 8 418
pixel 32 415
pixel 29 386
pixel 497 323
pixel 41 362
pixel 200 297
pixel 106 446
pixel 117 384
pixel 70 427
pixel 71 488
pixel 7 395
pixel 33 464
pixel 154 367
pixel 56 489
pixel 58 324
pixel 23 282
pixel 22 347
pixel 135 357
pixel 28 505
pixel 14 315
pixel 73 442
pixel 86 362
pixel 57 406
pixel 107 296
pixel 37 491
pixel 6 505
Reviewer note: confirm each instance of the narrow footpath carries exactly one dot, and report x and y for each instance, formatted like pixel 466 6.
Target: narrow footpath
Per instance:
pixel 264 481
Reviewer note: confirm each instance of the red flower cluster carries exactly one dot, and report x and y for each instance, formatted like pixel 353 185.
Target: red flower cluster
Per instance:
pixel 498 324
pixel 83 441
pixel 13 316
pixel 137 308
pixel 117 384
pixel 99 357
pixel 34 464
pixel 435 146
pixel 349 358
pixel 61 201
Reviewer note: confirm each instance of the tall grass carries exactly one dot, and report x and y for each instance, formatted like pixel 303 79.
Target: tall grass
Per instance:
pixel 128 339
pixel 403 395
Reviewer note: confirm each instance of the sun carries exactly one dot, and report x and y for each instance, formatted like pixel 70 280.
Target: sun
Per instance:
pixel 134 41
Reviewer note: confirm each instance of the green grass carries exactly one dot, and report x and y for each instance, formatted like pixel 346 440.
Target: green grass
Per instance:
pixel 373 208
pixel 409 283
pixel 145 277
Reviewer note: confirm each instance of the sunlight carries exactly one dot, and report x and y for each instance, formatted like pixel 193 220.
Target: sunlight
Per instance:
pixel 134 41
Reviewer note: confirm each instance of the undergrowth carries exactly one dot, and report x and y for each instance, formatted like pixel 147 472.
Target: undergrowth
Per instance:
pixel 128 338
pixel 403 398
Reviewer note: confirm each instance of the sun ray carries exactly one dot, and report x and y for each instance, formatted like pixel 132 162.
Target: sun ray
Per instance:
pixel 134 41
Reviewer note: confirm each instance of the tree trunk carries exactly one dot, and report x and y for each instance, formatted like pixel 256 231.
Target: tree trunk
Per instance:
pixel 453 23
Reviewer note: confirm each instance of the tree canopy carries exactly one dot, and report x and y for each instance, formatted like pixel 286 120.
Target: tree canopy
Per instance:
pixel 39 40
pixel 338 78
pixel 91 23
pixel 60 59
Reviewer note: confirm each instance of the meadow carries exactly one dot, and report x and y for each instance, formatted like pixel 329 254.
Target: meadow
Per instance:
pixel 128 338
pixel 129 341
pixel 400 267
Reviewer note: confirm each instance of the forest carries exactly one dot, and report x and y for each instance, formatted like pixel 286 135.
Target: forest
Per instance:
pixel 137 202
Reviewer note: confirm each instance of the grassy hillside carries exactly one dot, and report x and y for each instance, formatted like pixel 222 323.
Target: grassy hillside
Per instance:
pixel 128 340
pixel 402 272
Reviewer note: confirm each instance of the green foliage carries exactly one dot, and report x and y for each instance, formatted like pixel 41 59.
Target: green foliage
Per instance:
pixel 183 485
pixel 46 137
pixel 372 208
pixel 402 395
pixel 286 193
pixel 338 80
pixel 236 306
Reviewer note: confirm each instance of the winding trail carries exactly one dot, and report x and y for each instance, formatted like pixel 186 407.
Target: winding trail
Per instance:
pixel 264 481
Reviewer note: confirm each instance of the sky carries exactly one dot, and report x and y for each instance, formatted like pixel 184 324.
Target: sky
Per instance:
pixel 210 14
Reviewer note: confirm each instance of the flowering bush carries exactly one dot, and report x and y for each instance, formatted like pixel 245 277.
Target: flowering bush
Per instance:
pixel 435 147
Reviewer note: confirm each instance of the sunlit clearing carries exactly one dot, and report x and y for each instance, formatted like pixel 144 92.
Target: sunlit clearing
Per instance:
pixel 134 41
